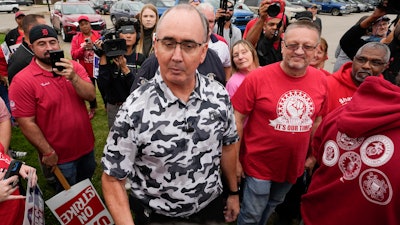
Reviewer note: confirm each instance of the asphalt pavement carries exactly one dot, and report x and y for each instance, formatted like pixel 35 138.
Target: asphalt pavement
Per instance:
pixel 333 27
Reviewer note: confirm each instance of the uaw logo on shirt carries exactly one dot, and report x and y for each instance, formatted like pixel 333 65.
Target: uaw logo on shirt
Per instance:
pixel 376 150
pixel 347 143
pixel 294 110
pixel 376 187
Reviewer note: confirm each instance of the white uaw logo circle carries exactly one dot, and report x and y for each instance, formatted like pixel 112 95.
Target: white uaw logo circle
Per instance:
pixel 375 186
pixel 347 143
pixel 350 165
pixel 295 104
pixel 376 150
pixel 331 153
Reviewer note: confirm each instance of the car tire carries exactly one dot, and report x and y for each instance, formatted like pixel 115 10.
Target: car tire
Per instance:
pixel 14 10
pixel 113 20
pixel 335 12
pixel 64 36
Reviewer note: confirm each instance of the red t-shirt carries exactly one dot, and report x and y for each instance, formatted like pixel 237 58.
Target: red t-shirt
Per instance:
pixel 84 57
pixel 59 112
pixel 281 110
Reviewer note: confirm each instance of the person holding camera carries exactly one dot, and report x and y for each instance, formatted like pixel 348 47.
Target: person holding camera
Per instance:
pixel 48 104
pixel 265 32
pixel 12 204
pixel 230 32
pixel 82 51
pixel 118 69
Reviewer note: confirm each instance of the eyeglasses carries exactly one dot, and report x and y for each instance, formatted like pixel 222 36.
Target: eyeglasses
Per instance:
pixel 373 62
pixel 186 46
pixel 230 8
pixel 294 47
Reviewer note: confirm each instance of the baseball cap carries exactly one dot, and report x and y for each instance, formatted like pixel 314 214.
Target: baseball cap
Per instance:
pixel 314 6
pixel 41 31
pixel 19 13
pixel 304 15
pixel 382 18
pixel 83 17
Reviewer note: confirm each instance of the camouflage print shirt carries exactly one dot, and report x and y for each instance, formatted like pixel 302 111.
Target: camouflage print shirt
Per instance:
pixel 168 150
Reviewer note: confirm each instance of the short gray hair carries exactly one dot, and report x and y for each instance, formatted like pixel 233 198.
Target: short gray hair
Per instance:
pixel 376 45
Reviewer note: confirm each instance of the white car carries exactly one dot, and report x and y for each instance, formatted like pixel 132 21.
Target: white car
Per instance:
pixel 8 7
pixel 292 9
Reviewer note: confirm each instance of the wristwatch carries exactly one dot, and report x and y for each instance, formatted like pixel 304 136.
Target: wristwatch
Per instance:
pixel 233 192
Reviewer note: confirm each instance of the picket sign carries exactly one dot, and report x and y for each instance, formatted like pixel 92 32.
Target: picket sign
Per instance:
pixel 34 205
pixel 79 204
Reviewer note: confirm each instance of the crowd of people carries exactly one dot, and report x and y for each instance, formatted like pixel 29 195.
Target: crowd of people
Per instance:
pixel 208 128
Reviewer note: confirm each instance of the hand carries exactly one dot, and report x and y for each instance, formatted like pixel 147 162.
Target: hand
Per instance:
pixel 98 43
pixel 68 72
pixel 239 172
pixel 29 172
pixel 310 163
pixel 232 208
pixel 50 160
pixel 6 189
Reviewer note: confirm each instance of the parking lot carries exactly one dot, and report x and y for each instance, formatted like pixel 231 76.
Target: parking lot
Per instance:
pixel 333 27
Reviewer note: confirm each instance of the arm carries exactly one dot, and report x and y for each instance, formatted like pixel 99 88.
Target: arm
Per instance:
pixel 5 126
pixel 77 51
pixel 229 155
pixel 228 72
pixel 351 41
pixel 254 33
pixel 35 136
pixel 311 160
pixel 84 89
pixel 240 119
pixel 116 199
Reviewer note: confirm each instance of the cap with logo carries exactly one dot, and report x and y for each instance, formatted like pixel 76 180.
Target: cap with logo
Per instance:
pixel 41 31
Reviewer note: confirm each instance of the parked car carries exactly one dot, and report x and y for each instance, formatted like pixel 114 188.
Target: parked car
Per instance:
pixel 292 9
pixel 305 3
pixel 163 5
pixel 333 7
pixel 8 7
pixel 362 7
pixel 102 6
pixel 124 9
pixel 353 5
pixel 64 18
pixel 20 2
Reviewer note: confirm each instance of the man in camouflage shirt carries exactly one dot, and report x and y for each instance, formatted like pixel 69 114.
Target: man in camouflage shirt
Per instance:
pixel 172 137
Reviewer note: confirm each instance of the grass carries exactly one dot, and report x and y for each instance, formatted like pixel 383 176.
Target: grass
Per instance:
pixel 100 128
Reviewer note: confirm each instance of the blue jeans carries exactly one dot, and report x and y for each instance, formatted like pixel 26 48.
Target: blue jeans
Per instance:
pixel 77 170
pixel 260 197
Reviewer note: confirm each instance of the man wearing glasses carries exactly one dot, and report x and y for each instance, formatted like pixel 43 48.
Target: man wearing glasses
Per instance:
pixel 173 136
pixel 281 103
pixel 231 33
pixel 371 60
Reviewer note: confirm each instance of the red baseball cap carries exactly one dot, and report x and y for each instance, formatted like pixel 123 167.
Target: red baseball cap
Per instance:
pixel 83 17
pixel 19 13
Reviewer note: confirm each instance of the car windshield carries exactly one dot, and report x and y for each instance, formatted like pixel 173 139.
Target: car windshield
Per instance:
pixel 77 9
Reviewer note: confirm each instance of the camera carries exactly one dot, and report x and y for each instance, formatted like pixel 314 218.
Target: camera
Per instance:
pixel 393 6
pixel 276 7
pixel 112 45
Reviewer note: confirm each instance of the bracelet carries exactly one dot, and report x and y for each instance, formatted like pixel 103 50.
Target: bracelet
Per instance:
pixel 49 154
pixel 233 192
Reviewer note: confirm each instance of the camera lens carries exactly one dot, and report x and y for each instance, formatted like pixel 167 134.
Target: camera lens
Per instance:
pixel 274 9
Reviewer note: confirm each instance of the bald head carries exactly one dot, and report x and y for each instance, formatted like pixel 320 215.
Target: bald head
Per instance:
pixel 184 11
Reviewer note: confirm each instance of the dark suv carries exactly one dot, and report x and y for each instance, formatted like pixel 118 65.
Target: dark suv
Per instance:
pixel 102 6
